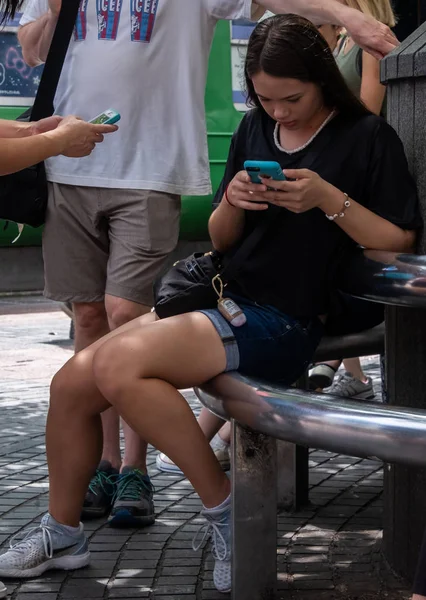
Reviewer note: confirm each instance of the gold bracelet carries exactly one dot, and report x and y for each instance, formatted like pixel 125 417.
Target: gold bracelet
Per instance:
pixel 346 204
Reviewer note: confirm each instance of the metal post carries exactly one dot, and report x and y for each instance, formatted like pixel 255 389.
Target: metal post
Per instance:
pixel 293 469
pixel 404 71
pixel 254 505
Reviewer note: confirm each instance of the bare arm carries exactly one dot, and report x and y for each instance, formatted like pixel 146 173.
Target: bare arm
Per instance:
pixel 226 226
pixel 36 37
pixel 49 137
pixel 372 36
pixel 366 228
pixel 308 190
pixel 17 154
pixel 372 91
pixel 14 129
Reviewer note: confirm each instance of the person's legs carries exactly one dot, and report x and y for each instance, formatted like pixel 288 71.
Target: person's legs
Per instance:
pixel 138 369
pixel 353 366
pixel 143 231
pixel 76 254
pixel 119 312
pixel 210 425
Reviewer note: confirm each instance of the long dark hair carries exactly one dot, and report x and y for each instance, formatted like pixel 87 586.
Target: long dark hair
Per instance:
pixel 291 47
pixel 8 9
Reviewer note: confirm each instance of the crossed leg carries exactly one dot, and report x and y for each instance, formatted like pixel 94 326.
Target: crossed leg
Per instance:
pixel 138 369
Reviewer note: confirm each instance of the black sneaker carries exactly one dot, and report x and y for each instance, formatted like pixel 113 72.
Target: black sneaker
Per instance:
pixel 99 496
pixel 133 501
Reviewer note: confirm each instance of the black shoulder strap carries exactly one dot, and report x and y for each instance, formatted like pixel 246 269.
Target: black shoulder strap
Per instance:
pixel 43 103
pixel 249 244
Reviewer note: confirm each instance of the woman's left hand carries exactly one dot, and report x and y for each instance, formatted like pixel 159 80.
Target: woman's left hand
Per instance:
pixel 45 125
pixel 307 191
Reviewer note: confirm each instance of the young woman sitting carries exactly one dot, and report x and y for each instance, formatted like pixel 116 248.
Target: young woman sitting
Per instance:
pixel 348 184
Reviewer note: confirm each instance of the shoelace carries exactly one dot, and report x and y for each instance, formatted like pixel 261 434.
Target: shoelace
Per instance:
pixel 212 529
pixel 102 480
pixel 131 485
pixel 26 543
pixel 342 379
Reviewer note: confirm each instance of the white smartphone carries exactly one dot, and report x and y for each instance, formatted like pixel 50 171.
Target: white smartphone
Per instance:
pixel 108 117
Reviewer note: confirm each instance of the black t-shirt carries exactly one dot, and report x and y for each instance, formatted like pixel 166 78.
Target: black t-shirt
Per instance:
pixel 295 265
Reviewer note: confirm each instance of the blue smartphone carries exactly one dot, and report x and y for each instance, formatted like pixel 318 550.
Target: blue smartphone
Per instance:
pixel 108 117
pixel 268 169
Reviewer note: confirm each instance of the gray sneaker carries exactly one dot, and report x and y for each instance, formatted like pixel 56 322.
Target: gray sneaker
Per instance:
pixel 218 528
pixel 349 386
pixel 133 502
pixel 3 590
pixel 48 546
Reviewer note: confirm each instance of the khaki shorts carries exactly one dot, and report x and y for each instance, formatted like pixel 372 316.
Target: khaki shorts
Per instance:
pixel 99 241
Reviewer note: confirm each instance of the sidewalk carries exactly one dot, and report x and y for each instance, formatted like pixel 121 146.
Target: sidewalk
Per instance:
pixel 331 551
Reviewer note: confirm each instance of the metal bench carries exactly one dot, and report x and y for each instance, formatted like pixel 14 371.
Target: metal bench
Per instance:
pixel 393 434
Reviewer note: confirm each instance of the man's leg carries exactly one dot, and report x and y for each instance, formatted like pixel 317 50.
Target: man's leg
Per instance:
pixel 76 253
pixel 143 231
pixel 133 502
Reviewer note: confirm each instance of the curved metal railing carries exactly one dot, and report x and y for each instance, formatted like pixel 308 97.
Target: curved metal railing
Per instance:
pixel 357 428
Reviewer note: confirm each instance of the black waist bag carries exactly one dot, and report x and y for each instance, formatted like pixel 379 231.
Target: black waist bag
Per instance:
pixel 188 285
pixel 23 195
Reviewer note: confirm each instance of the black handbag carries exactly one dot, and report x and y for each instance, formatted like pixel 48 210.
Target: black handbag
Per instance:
pixel 23 195
pixel 188 285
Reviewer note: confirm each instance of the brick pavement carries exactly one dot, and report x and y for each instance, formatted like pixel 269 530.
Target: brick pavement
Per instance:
pixel 331 550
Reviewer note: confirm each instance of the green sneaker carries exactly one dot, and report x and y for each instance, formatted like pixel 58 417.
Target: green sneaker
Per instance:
pixel 102 489
pixel 133 502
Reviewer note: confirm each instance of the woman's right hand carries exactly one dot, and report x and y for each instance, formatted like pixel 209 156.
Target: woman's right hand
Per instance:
pixel 244 194
pixel 78 138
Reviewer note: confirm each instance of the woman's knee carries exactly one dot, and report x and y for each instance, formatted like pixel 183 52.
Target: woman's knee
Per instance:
pixel 110 368
pixel 65 388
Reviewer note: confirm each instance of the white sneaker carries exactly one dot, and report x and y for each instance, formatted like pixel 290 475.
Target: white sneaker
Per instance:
pixel 218 528
pixel 48 546
pixel 3 590
pixel 165 464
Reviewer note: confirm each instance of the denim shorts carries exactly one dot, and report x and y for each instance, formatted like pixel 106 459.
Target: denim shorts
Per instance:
pixel 270 345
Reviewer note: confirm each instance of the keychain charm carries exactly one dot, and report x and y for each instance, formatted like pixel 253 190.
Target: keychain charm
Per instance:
pixel 231 311
pixel 228 308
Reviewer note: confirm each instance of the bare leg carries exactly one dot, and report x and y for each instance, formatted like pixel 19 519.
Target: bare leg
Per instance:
pixel 139 367
pixel 135 449
pixel 67 494
pixel 91 324
pixel 225 433
pixel 209 423
pixel 353 365
pixel 417 597
pixel 119 312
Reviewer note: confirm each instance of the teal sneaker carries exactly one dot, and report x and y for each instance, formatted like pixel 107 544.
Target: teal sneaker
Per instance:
pixel 99 497
pixel 133 504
